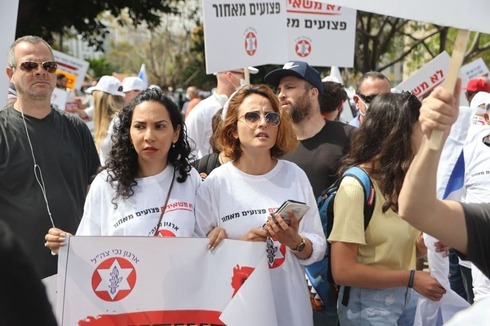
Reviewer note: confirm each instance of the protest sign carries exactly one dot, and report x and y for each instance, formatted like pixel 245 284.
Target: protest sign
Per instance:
pixel 423 81
pixel 59 98
pixel 243 34
pixel 321 34
pixel 475 69
pixel 470 15
pixel 164 281
pixel 73 68
pixel 8 22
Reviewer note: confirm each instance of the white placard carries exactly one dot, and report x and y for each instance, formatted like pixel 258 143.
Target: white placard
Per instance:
pixel 73 66
pixel 164 281
pixel 321 34
pixel 475 69
pixel 471 15
pixel 8 23
pixel 245 33
pixel 58 98
pixel 426 78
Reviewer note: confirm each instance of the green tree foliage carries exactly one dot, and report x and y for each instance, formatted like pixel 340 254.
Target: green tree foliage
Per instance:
pixel 48 18
pixel 101 67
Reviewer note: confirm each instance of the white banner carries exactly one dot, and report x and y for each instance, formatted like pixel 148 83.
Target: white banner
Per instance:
pixel 8 22
pixel 248 33
pixel 471 15
pixel 75 68
pixel 424 80
pixel 321 34
pixel 164 281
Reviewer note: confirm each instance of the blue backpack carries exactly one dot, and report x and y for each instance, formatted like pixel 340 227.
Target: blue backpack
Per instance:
pixel 319 273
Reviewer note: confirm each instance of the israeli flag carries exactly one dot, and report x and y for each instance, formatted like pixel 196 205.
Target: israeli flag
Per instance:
pixel 142 74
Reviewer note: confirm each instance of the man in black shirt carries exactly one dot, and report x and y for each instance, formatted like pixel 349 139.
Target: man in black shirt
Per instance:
pixel 47 158
pixel 322 143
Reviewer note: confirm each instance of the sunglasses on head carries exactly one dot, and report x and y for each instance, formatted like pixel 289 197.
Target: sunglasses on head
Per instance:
pixel 367 98
pixel 253 118
pixel 49 66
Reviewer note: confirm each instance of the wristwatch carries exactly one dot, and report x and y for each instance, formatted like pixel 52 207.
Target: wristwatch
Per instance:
pixel 300 246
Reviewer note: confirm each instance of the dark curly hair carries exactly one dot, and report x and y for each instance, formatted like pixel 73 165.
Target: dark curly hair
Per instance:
pixel 385 141
pixel 122 163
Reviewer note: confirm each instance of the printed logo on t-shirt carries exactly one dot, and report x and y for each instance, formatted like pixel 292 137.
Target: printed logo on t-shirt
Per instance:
pixel 276 253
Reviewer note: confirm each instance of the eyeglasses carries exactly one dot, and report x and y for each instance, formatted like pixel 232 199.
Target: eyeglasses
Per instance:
pixel 367 98
pixel 253 118
pixel 49 66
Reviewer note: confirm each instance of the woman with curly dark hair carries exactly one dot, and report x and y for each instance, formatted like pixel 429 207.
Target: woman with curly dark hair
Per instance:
pixel 375 266
pixel 147 175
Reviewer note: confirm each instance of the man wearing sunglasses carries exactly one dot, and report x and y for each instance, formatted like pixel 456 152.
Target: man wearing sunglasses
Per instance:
pixel 368 87
pixel 322 143
pixel 47 157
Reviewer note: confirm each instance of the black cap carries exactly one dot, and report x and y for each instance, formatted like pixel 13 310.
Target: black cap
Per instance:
pixel 298 69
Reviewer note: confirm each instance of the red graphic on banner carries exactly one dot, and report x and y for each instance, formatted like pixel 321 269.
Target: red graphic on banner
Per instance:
pixel 303 48
pixel 114 279
pixel 250 43
pixel 240 275
pixel 164 317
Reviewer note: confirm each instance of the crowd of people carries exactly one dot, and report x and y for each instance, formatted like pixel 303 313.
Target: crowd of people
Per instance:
pixel 245 147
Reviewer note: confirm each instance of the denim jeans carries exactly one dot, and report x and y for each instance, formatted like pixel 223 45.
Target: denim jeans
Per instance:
pixel 378 307
pixel 326 317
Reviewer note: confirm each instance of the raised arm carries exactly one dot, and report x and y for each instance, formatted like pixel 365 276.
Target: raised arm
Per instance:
pixel 418 204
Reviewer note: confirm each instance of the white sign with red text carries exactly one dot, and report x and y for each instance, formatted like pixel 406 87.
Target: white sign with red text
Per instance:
pixel 321 34
pixel 75 68
pixel 164 281
pixel 424 80
pixel 471 15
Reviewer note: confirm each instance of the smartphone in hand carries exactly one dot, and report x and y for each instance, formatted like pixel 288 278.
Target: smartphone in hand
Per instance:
pixel 299 209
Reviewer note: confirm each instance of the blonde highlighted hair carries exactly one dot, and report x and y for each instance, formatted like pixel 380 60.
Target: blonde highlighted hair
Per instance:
pixel 106 106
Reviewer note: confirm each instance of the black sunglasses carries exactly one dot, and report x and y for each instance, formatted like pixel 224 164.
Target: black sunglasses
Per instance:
pixel 253 118
pixel 49 66
pixel 367 98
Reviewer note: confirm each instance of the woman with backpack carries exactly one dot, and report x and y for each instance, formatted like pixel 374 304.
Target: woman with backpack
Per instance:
pixel 375 265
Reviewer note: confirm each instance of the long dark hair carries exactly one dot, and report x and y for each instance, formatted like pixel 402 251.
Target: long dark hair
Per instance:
pixel 385 141
pixel 122 164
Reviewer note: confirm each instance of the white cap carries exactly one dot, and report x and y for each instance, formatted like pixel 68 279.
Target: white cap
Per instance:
pixel 331 79
pixel 133 84
pixel 479 99
pixel 251 70
pixel 107 84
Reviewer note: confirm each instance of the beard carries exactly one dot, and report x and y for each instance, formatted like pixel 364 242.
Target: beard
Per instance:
pixel 300 110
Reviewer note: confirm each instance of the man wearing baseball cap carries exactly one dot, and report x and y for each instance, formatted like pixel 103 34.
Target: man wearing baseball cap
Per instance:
pixel 476 85
pixel 322 143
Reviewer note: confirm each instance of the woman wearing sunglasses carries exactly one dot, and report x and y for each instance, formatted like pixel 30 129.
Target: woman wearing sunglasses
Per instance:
pixel 375 266
pixel 237 199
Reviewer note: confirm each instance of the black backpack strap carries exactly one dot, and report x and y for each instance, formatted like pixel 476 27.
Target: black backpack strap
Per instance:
pixel 207 163
pixel 212 162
